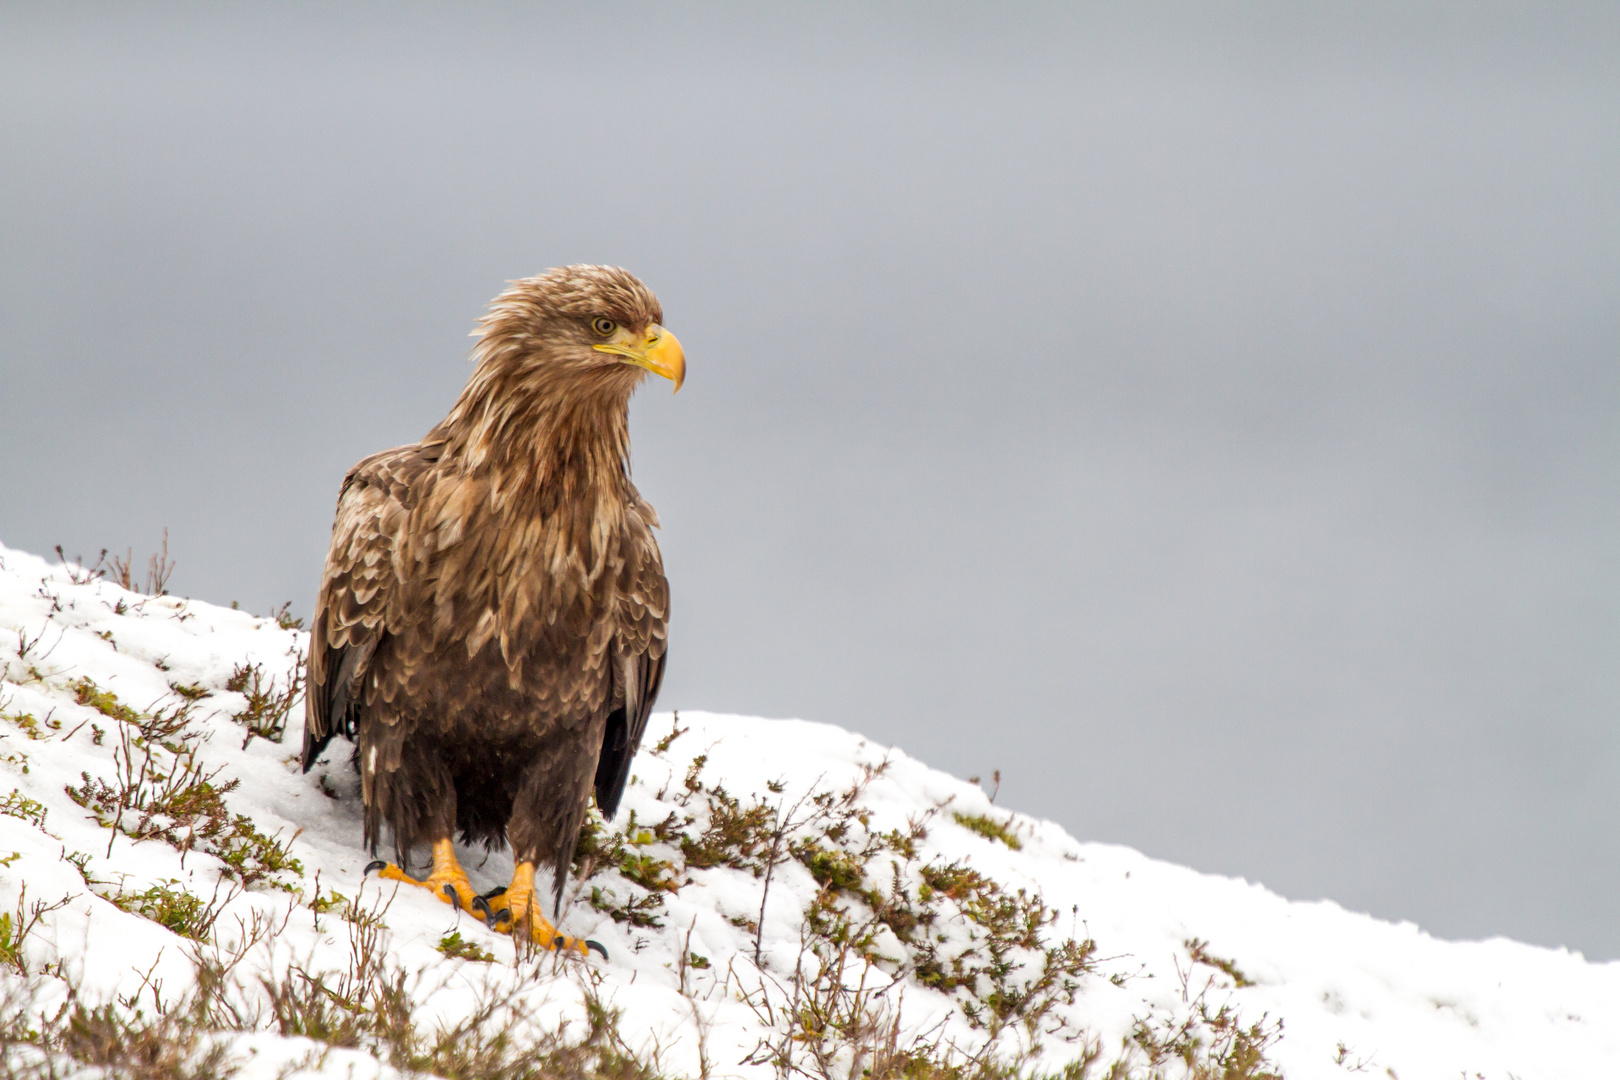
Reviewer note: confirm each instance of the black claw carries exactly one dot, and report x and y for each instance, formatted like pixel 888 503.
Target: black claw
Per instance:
pixel 375 865
pixel 597 945
pixel 480 907
pixel 450 891
pixel 503 915
pixel 496 891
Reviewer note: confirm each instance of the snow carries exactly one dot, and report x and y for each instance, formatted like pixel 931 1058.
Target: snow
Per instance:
pixel 1353 993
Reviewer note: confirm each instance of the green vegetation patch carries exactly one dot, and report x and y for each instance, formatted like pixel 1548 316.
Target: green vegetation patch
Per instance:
pixel 18 805
pixel 268 708
pixel 34 728
pixel 172 908
pixel 453 946
pixel 105 702
pixel 1198 949
pixel 989 828
pixel 160 790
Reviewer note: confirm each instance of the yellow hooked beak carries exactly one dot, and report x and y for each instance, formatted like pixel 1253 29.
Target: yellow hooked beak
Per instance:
pixel 656 349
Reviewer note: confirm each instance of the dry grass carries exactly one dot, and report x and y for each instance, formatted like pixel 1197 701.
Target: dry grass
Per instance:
pixel 17 925
pixel 268 705
pixel 120 569
pixel 169 905
pixel 874 925
pixel 370 1005
pixel 162 790
pixel 883 918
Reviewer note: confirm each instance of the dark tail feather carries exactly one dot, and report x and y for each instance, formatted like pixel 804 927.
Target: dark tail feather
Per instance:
pixel 613 766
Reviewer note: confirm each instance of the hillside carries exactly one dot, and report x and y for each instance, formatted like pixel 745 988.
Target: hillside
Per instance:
pixel 777 897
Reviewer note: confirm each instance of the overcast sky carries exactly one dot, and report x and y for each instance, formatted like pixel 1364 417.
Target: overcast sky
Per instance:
pixel 1210 417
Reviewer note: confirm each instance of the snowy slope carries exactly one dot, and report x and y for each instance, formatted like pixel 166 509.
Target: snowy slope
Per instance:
pixel 1352 993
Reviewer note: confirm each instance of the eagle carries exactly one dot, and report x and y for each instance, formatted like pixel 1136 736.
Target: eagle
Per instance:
pixel 491 627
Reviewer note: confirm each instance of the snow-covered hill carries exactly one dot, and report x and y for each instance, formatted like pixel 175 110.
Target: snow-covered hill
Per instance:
pixel 776 896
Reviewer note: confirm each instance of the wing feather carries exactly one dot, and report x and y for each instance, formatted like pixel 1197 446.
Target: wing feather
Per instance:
pixel 640 649
pixel 359 586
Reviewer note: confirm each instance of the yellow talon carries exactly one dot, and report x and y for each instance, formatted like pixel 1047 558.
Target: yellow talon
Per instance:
pixel 448 881
pixel 517 908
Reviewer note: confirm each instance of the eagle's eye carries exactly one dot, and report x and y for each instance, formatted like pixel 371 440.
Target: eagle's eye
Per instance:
pixel 603 326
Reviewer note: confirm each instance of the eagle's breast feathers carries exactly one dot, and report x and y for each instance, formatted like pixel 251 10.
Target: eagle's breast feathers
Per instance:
pixel 458 581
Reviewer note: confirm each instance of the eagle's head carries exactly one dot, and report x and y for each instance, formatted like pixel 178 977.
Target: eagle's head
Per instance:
pixel 592 328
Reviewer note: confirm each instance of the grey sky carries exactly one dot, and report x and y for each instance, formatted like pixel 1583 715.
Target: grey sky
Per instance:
pixel 1208 416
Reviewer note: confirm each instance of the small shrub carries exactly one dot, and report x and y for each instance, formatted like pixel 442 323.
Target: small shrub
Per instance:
pixel 174 909
pixel 286 619
pixel 736 836
pixel 34 728
pixel 1212 1042
pixel 648 871
pixel 989 828
pixel 675 732
pixel 162 791
pixel 16 925
pixel 11 939
pixel 159 567
pixel 109 1040
pixel 1198 949
pixel 453 946
pixel 643 910
pixel 833 868
pixel 267 707
pixel 20 806
pixel 105 702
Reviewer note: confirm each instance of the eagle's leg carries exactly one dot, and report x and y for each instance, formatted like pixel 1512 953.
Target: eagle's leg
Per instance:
pixel 447 880
pixel 520 910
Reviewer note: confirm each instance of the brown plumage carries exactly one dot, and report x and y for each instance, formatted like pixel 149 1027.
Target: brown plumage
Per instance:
pixel 491 623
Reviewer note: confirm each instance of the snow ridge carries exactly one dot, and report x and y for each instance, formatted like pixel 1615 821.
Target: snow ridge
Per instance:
pixel 752 860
